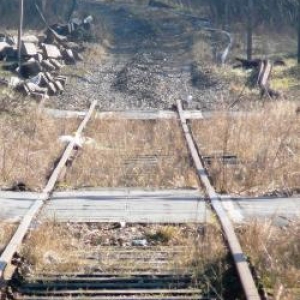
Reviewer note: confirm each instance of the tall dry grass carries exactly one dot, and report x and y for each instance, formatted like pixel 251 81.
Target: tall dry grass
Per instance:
pixel 212 265
pixel 61 247
pixel 6 232
pixel 125 153
pixel 54 248
pixel 29 147
pixel 267 146
pixel 274 252
pixel 48 248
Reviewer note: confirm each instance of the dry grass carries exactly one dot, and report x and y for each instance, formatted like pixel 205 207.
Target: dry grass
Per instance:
pixel 266 143
pixel 6 232
pixel 266 44
pixel 210 260
pixel 61 247
pixel 49 248
pixel 94 53
pixel 275 254
pixel 29 146
pixel 133 154
pixel 54 248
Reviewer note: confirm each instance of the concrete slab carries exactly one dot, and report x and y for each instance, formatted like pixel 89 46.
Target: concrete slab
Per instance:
pixel 14 205
pixel 172 206
pixel 134 205
pixel 29 49
pixel 280 210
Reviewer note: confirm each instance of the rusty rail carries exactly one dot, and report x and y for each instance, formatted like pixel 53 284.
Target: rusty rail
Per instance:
pixel 239 258
pixel 21 231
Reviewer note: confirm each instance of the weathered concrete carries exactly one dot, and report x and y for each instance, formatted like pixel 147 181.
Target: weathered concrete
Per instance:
pixel 133 205
pixel 280 210
pixel 15 205
pixel 174 206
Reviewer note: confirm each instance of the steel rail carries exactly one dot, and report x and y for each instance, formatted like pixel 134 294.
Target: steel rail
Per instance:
pixel 239 257
pixel 23 227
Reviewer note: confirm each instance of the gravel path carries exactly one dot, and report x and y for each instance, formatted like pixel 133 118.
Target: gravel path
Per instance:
pixel 149 64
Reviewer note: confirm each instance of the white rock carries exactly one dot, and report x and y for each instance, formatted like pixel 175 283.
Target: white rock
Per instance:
pixel 142 242
pixel 189 99
pixel 123 224
pixel 78 141
pixel 14 81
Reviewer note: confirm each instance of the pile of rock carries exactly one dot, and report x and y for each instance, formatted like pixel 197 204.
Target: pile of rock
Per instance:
pixel 42 58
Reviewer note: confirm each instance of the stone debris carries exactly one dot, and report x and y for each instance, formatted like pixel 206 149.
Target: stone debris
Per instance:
pixel 3 46
pixel 141 242
pixel 30 68
pixel 29 49
pixel 51 51
pixel 43 57
pixel 4 49
pixel 138 234
pixel 14 81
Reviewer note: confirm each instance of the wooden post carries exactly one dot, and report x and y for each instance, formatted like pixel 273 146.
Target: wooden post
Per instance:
pixel 265 69
pixel 20 33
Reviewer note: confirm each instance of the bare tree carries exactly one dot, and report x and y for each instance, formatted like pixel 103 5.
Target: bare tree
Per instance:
pixel 250 13
pixel 298 54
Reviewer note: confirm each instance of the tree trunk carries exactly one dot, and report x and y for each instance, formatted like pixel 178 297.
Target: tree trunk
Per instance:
pixel 226 15
pixel 249 29
pixel 20 32
pixel 298 55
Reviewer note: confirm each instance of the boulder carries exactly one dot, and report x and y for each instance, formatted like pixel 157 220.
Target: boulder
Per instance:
pixel 30 39
pixel 29 49
pixel 56 63
pixel 47 65
pixel 4 49
pixel 51 51
pixel 69 56
pixel 30 68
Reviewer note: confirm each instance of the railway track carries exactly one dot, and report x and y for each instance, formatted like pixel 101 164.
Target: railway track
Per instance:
pixel 20 233
pixel 132 272
pixel 239 258
pixel 116 273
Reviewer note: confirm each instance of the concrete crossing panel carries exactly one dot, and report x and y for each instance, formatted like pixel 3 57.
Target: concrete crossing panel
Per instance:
pixel 171 206
pixel 14 205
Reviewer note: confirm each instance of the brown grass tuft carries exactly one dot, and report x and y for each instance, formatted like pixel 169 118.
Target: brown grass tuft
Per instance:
pixel 48 248
pixel 6 232
pixel 266 143
pixel 29 147
pixel 133 154
pixel 275 254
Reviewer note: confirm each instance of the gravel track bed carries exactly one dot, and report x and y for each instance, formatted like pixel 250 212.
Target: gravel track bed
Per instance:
pixel 149 63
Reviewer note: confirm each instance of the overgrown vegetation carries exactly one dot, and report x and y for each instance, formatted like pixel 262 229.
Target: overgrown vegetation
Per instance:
pixel 266 144
pixel 188 248
pixel 242 90
pixel 29 146
pixel 6 232
pixel 133 154
pixel 274 253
